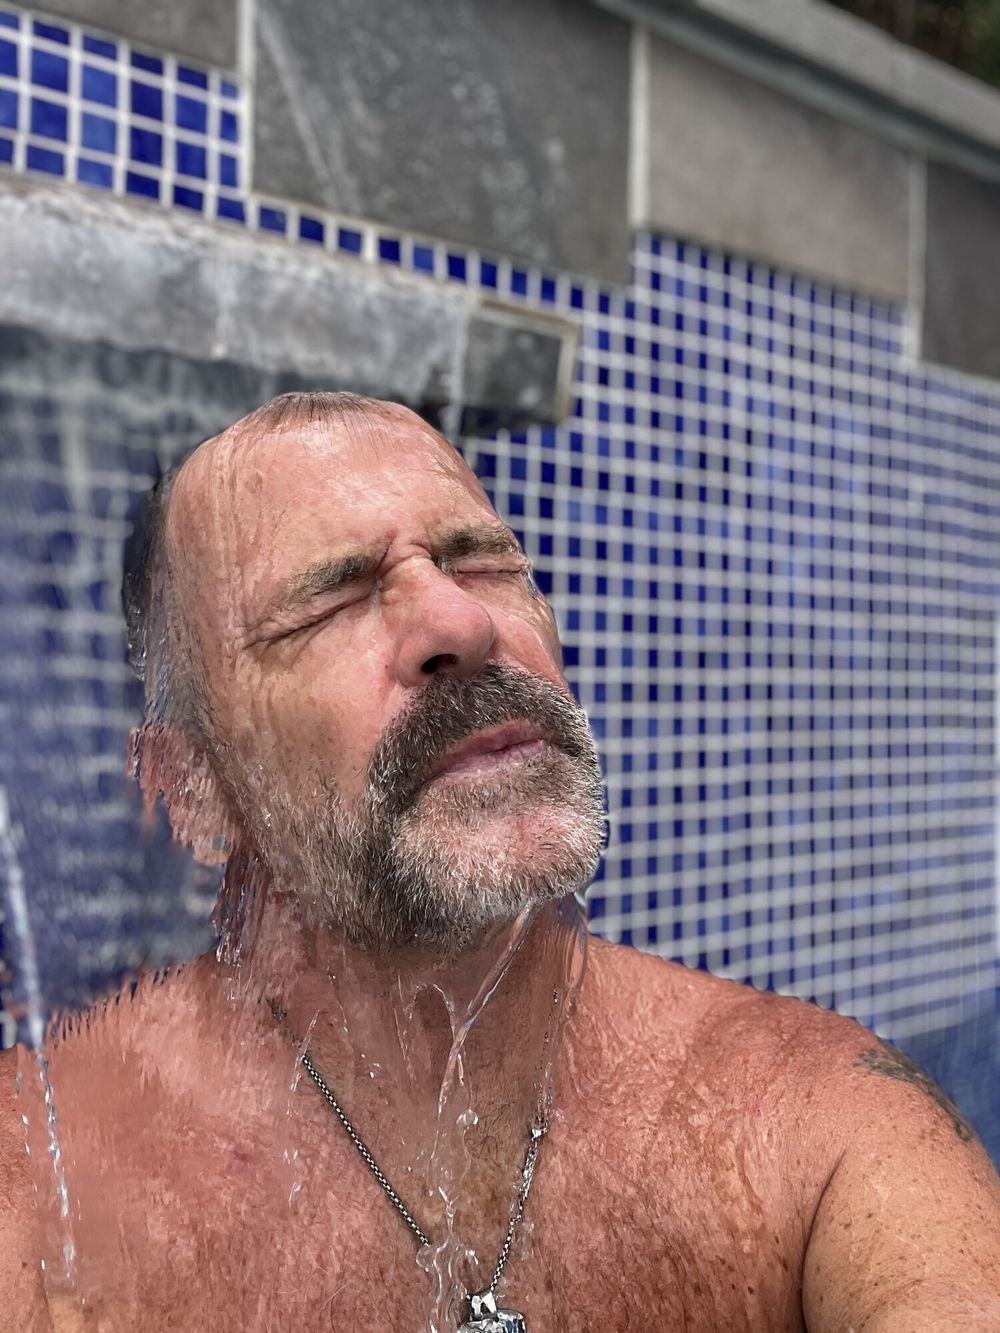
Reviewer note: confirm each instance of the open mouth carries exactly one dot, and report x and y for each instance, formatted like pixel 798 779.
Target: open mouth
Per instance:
pixel 483 764
pixel 489 751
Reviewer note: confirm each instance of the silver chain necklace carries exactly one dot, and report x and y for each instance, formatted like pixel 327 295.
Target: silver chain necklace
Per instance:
pixel 484 1315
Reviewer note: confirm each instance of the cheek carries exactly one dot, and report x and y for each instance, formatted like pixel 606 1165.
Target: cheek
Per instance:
pixel 320 722
pixel 531 636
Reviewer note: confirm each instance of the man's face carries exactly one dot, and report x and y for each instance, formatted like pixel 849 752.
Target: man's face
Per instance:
pixel 388 710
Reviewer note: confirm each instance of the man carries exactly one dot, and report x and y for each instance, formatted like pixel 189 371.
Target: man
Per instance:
pixel 397 1088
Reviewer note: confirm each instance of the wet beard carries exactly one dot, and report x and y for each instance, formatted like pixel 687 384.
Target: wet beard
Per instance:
pixel 433 867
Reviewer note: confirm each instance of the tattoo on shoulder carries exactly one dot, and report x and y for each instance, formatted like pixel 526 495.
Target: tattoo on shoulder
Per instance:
pixel 885 1059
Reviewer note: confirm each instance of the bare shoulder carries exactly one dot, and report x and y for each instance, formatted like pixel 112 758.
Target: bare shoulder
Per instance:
pixel 834 1079
pixel 907 1231
pixel 899 1203
pixel 20 1273
pixel 715 1015
pixel 158 1011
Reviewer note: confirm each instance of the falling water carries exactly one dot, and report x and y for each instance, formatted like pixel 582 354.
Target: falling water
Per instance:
pixel 35 1018
pixel 448 1262
pixel 109 901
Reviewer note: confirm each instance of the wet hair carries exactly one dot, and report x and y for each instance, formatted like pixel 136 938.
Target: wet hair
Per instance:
pixel 145 557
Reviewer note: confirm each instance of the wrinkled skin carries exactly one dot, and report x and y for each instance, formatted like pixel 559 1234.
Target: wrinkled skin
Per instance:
pixel 717 1159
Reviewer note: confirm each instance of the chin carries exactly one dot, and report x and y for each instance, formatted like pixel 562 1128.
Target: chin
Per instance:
pixel 509 852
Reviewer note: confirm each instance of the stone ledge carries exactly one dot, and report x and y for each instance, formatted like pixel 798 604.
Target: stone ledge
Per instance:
pixel 155 280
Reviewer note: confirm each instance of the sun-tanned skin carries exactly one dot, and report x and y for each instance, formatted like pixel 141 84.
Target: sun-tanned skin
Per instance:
pixel 721 1159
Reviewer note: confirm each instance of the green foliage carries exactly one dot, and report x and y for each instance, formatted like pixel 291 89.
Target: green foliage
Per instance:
pixel 965 33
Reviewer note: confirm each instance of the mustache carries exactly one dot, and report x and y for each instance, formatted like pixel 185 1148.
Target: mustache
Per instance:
pixel 449 709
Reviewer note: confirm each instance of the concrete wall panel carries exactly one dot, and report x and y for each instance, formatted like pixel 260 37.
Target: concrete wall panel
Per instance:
pixel 961 313
pixel 735 164
pixel 503 126
pixel 202 29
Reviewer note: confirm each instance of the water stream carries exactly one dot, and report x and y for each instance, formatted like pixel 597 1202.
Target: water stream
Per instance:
pixel 178 1155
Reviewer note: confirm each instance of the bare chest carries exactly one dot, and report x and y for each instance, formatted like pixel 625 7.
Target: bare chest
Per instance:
pixel 238 1233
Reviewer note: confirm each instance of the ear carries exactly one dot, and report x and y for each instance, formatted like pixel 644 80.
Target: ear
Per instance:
pixel 164 761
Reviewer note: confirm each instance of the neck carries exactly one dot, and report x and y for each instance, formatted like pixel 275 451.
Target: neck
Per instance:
pixel 411 1044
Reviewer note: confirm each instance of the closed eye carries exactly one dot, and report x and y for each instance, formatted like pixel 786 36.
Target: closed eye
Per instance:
pixel 465 569
pixel 523 567
pixel 327 614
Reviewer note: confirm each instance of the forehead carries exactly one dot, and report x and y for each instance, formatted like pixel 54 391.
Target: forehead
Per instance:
pixel 249 512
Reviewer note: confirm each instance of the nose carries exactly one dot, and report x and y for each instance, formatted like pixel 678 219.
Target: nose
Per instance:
pixel 442 628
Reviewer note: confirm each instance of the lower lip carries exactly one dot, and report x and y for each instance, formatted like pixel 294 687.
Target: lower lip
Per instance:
pixel 482 765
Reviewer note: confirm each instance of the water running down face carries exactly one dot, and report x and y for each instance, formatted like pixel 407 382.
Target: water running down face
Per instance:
pixel 388 715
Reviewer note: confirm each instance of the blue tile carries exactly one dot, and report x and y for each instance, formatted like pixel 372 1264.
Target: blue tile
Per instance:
pixel 98 132
pixel 8 20
pixel 99 85
pixel 97 47
pixel 423 258
pixel 228 89
pixel 488 273
pixel 349 240
pixel 6 150
pixel 311 229
pixel 95 173
pixel 147 100
pixel 518 282
pixel 50 70
pixel 457 267
pixel 51 32
pixel 576 298
pixel 190 113
pixel 48 119
pixel 272 219
pixel 228 171
pixel 389 249
pixel 229 126
pixel 43 159
pixel 191 159
pixel 548 292
pixel 195 78
pixel 233 209
pixel 8 59
pixel 185 197
pixel 8 108
pixel 136 183
pixel 146 146
pixel 151 64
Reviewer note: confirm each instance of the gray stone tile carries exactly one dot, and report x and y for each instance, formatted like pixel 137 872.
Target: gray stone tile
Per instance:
pixel 734 164
pixel 828 54
pixel 205 31
pixel 961 313
pixel 502 126
pixel 518 368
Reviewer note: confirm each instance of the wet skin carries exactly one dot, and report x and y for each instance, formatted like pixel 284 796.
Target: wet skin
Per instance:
pixel 322 674
pixel 721 1160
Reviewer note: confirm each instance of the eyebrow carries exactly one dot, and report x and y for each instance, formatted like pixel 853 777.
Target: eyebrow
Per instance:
pixel 327 577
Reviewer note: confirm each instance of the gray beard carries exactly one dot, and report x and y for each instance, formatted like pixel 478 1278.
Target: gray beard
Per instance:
pixel 418 868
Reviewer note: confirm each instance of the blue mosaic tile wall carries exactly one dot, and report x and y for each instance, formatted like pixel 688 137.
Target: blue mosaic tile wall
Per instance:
pixel 770 537
pixel 91 108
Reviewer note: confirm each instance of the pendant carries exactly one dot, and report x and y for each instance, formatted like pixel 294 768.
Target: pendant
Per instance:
pixel 484 1317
